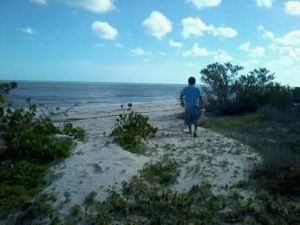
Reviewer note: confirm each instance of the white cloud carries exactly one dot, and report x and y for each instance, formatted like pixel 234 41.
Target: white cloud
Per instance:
pixel 205 3
pixel 264 3
pixel 226 32
pixel 265 34
pixel 290 52
pixel 96 6
pixel 292 8
pixel 29 31
pixel 245 46
pixel 175 44
pixel 157 25
pixel 258 51
pixel 192 27
pixel 196 51
pixel 290 39
pixel 104 30
pixel 137 52
pixel 140 52
pixel 40 2
pixel 222 56
pixel 195 27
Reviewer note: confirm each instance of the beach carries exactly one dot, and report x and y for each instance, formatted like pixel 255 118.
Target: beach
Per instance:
pixel 98 164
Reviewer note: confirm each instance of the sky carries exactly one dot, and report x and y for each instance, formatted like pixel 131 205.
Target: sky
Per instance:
pixel 146 41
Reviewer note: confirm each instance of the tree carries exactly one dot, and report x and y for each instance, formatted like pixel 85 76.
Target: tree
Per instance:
pixel 221 78
pixel 257 89
pixel 252 89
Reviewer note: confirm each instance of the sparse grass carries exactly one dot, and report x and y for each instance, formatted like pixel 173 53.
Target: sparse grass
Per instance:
pixel 145 202
pixel 276 136
pixel 161 172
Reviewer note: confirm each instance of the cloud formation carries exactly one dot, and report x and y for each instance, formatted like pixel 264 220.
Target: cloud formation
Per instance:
pixel 264 3
pixel 254 52
pixel 175 44
pixel 96 6
pixel 222 56
pixel 192 27
pixel 292 8
pixel 157 25
pixel 137 52
pixel 196 51
pixel 265 34
pixel 195 27
pixel 290 39
pixel 40 2
pixel 29 31
pixel 104 30
pixel 205 3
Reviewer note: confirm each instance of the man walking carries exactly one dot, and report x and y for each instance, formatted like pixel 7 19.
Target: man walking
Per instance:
pixel 192 100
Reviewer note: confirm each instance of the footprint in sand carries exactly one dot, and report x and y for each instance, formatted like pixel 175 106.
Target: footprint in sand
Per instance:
pixel 94 168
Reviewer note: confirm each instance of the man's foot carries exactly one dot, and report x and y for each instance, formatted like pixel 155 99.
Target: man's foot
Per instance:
pixel 186 130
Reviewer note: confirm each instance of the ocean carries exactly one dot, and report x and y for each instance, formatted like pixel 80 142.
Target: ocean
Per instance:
pixel 83 94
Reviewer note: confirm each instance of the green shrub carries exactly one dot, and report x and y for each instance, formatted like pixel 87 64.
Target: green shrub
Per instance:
pixel 131 129
pixel 76 132
pixel 4 90
pixel 221 79
pixel 32 144
pixel 296 94
pixel 229 93
pixel 28 136
pixel 162 172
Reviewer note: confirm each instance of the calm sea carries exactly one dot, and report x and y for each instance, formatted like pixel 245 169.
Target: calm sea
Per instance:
pixel 66 94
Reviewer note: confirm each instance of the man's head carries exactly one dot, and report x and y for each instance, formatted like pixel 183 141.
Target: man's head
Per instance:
pixel 192 80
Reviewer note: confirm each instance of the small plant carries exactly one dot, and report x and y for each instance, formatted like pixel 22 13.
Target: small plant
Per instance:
pixel 162 172
pixel 132 129
pixel 76 132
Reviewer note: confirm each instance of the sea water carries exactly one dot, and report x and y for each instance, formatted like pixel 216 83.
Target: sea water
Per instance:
pixel 84 94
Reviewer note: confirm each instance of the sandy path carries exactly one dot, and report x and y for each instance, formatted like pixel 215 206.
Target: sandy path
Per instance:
pixel 99 164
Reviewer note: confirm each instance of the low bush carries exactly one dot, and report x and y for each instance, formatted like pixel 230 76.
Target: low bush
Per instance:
pixel 132 129
pixel 161 172
pixel 28 136
pixel 32 144
pixel 75 132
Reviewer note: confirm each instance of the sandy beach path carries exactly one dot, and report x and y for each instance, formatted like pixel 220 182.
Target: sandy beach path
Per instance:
pixel 99 164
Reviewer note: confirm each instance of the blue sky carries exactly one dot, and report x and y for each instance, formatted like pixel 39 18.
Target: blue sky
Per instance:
pixel 146 41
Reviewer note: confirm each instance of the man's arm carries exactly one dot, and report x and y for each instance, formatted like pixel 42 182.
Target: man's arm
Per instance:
pixel 181 98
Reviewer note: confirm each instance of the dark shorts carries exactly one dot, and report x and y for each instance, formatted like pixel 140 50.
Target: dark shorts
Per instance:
pixel 192 115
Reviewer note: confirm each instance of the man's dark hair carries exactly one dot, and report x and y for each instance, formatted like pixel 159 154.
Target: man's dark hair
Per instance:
pixel 192 80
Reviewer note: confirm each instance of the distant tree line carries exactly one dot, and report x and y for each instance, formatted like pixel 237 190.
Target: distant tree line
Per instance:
pixel 230 92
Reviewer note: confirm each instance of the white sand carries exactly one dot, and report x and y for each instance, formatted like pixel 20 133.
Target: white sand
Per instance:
pixel 99 164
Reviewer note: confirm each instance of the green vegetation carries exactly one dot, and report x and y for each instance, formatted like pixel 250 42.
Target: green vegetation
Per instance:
pixel 32 144
pixel 145 202
pixel 162 172
pixel 274 133
pixel 231 93
pixel 132 129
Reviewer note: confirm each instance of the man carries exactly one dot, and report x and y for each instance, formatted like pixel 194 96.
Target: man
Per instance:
pixel 192 100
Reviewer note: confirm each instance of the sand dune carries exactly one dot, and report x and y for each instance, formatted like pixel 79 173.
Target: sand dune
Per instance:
pixel 99 164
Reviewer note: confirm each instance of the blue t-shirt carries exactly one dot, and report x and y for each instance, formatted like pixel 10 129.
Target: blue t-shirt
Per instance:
pixel 192 96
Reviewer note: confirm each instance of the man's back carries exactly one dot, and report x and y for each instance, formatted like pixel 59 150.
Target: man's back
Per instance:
pixel 191 95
